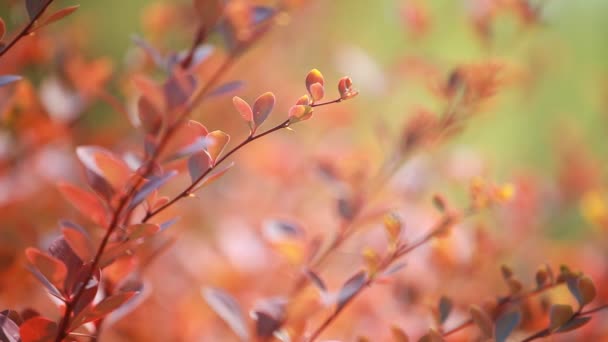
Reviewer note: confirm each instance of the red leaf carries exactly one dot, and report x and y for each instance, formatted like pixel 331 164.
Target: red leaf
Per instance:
pixel 243 108
pixel 106 306
pixel 38 329
pixel 79 243
pixel 58 15
pixel 51 268
pixel 262 107
pixel 88 204
pixel 91 285
pixel 217 141
pixel 105 164
pixel 198 164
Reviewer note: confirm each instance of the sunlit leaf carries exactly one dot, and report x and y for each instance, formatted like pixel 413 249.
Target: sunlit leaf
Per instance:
pixel 393 227
pixel 103 308
pixel 9 330
pixel 105 164
pixel 559 314
pixel 52 268
pixel 38 329
pixel 88 204
pixel 243 108
pixel 299 113
pixel 505 324
pixel 317 91
pixel 8 79
pixel 58 15
pixel 351 288
pixel 44 281
pixel 228 309
pixel 198 164
pixel 216 144
pixel 262 107
pixel 314 76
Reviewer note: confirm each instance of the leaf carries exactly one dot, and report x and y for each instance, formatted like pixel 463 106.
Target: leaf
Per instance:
pixel 314 76
pixel 277 230
pixel 559 314
pixel 243 108
pixel 79 242
pixel 151 91
pixel 262 107
pixel 393 227
pixel 178 88
pixel 61 250
pixel 142 230
pixel 394 268
pixel 87 203
pixel 198 164
pixel 445 307
pixel 228 309
pixel 151 185
pixel 505 324
pixel 8 79
pixel 213 177
pixel 105 164
pixel 317 91
pixel 44 281
pixel 50 267
pixel 91 286
pixel 573 324
pixel 299 113
pixel 350 289
pixel 38 329
pixel 9 330
pixel 103 308
pixel 316 280
pixel 62 13
pixel 587 291
pixel 482 320
pixel 217 141
pixel 34 7
pixel 150 117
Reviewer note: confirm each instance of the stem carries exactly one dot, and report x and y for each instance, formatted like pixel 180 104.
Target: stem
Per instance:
pixel 26 30
pixel 187 190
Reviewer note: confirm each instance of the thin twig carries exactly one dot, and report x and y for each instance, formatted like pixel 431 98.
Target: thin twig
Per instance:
pixel 26 30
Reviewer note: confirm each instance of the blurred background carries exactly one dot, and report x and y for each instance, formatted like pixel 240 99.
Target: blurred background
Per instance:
pixel 543 131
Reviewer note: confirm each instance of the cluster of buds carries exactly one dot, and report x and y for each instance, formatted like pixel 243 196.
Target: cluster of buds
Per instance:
pixel 485 194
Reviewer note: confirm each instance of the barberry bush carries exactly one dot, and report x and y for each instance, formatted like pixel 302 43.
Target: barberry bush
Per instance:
pixel 183 170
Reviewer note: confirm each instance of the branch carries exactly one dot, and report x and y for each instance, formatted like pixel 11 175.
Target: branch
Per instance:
pixel 26 30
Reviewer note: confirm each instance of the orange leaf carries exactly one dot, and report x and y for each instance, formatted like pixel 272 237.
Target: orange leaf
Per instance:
pixel 262 107
pixel 217 142
pixel 243 108
pixel 51 268
pixel 38 329
pixel 88 204
pixel 58 15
